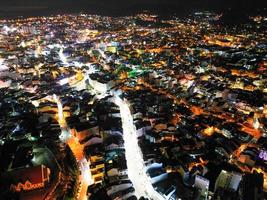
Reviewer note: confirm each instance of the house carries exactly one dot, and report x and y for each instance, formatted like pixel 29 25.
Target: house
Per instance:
pixel 117 172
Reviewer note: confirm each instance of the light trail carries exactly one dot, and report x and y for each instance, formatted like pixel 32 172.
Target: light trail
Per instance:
pixel 86 177
pixel 135 163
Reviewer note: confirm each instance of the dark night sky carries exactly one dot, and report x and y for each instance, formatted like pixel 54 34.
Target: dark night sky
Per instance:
pixel 127 6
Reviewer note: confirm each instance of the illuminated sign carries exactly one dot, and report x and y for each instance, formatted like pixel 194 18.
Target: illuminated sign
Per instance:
pixel 26 186
pixel 263 155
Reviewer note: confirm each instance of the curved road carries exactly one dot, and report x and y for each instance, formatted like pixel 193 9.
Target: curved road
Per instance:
pixel 134 157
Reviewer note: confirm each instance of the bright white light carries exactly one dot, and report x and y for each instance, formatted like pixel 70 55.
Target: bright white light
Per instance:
pixel 60 108
pixel 22 44
pixel 85 171
pixel 189 84
pixel 2 66
pixel 78 64
pixel 51 46
pixel 102 53
pixel 5 84
pixel 256 123
pixel 63 81
pixel 7 29
pixel 134 157
pixel 62 57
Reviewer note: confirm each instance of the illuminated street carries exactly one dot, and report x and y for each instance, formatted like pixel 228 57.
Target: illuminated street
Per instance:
pixel 85 178
pixel 135 163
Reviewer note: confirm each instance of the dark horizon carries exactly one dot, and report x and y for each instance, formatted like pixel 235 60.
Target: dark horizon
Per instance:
pixel 121 7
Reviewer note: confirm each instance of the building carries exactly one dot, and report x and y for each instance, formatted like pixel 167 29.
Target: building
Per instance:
pixel 228 180
pixel 30 178
pixel 202 184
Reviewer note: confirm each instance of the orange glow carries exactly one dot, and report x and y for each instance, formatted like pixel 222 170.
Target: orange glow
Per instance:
pixel 169 138
pixel 76 148
pixel 240 149
pixel 265 111
pixel 226 117
pixel 209 131
pixel 200 163
pixel 236 72
pixel 251 131
pixel 176 119
pixel 123 75
pixel 196 110
pixel 222 40
pixel 155 50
